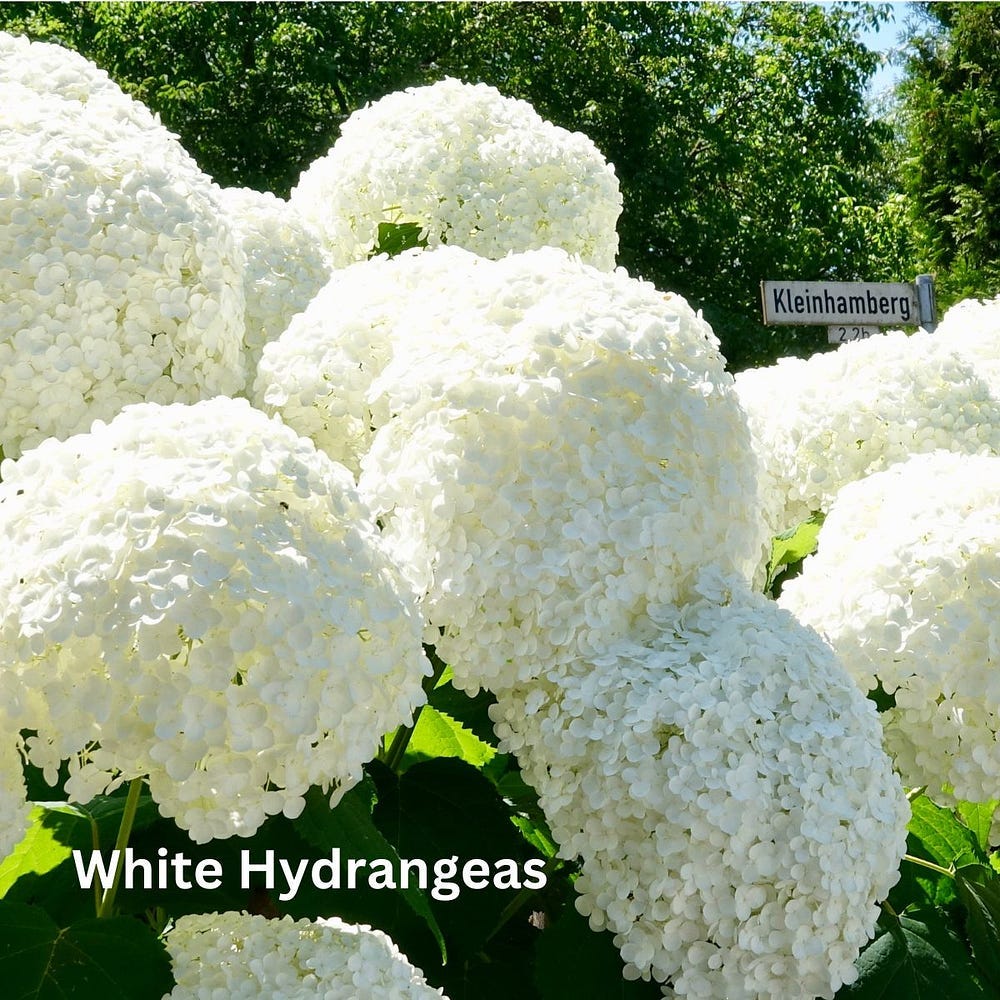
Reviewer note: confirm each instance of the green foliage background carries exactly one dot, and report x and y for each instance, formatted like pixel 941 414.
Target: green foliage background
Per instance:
pixel 740 132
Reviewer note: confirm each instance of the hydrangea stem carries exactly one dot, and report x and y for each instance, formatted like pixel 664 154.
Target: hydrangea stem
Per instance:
pixel 929 864
pixel 106 908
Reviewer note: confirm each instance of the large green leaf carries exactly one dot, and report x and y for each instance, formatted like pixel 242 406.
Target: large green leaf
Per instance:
pixel 979 890
pixel 439 735
pixel 574 961
pixel 113 959
pixel 948 841
pixel 350 828
pixel 446 812
pixel 978 817
pixel 792 546
pixel 916 956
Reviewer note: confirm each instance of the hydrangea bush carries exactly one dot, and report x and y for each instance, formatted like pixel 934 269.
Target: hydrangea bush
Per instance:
pixel 285 266
pixel 836 417
pixel 120 280
pixel 553 486
pixel 318 374
pixel 244 957
pixel 727 790
pixel 905 588
pixel 468 166
pixel 199 597
pixel 564 451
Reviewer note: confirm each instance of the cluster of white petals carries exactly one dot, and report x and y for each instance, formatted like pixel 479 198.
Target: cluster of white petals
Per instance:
pixel 469 166
pixel 904 586
pixel 565 451
pixel 13 797
pixel 120 281
pixel 839 416
pixel 237 956
pixel 194 593
pixel 726 789
pixel 55 72
pixel 972 327
pixel 318 374
pixel 285 264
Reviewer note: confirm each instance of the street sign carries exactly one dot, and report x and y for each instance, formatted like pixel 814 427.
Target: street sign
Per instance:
pixel 847 303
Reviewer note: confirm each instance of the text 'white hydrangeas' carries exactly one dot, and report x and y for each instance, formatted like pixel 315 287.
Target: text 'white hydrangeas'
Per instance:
pixel 565 450
pixel 119 279
pixel 237 956
pixel 194 593
pixel 726 789
pixel 469 166
pixel 906 587
pixel 837 417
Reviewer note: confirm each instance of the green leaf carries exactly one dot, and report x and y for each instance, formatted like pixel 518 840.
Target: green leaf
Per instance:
pixel 917 956
pixel 43 848
pixel 793 546
pixel 90 960
pixel 979 890
pixel 978 817
pixel 395 237
pixel 351 828
pixel 471 711
pixel 448 813
pixel 947 840
pixel 574 961
pixel 439 735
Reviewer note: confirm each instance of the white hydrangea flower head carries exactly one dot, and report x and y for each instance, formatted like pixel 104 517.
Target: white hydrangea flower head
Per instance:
pixel 285 264
pixel 839 416
pixel 195 594
pixel 53 71
pixel 972 327
pixel 472 168
pixel 318 374
pixel 904 586
pixel 565 451
pixel 120 281
pixel 727 792
pixel 14 807
pixel 243 957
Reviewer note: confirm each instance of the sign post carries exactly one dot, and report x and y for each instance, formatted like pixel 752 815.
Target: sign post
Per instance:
pixel 850 310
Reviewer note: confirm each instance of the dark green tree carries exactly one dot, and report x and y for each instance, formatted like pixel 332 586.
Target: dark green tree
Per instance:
pixel 739 132
pixel 951 108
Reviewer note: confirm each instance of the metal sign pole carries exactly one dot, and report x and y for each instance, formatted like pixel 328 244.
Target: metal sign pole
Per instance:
pixel 928 305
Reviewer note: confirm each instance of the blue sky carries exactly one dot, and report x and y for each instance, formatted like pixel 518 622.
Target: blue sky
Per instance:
pixel 884 40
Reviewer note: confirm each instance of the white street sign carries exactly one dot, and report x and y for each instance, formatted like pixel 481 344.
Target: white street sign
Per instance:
pixel 848 303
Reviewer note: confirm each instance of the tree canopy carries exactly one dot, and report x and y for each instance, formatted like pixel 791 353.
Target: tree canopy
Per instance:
pixel 951 172
pixel 740 132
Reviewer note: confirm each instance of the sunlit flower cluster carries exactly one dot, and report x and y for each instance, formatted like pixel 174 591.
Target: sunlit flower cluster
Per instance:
pixel 52 71
pixel 565 450
pixel 119 280
pixel 242 957
pixel 470 167
pixel 318 374
pixel 726 789
pixel 194 593
pixel 837 417
pixel 285 264
pixel 972 328
pixel 905 588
